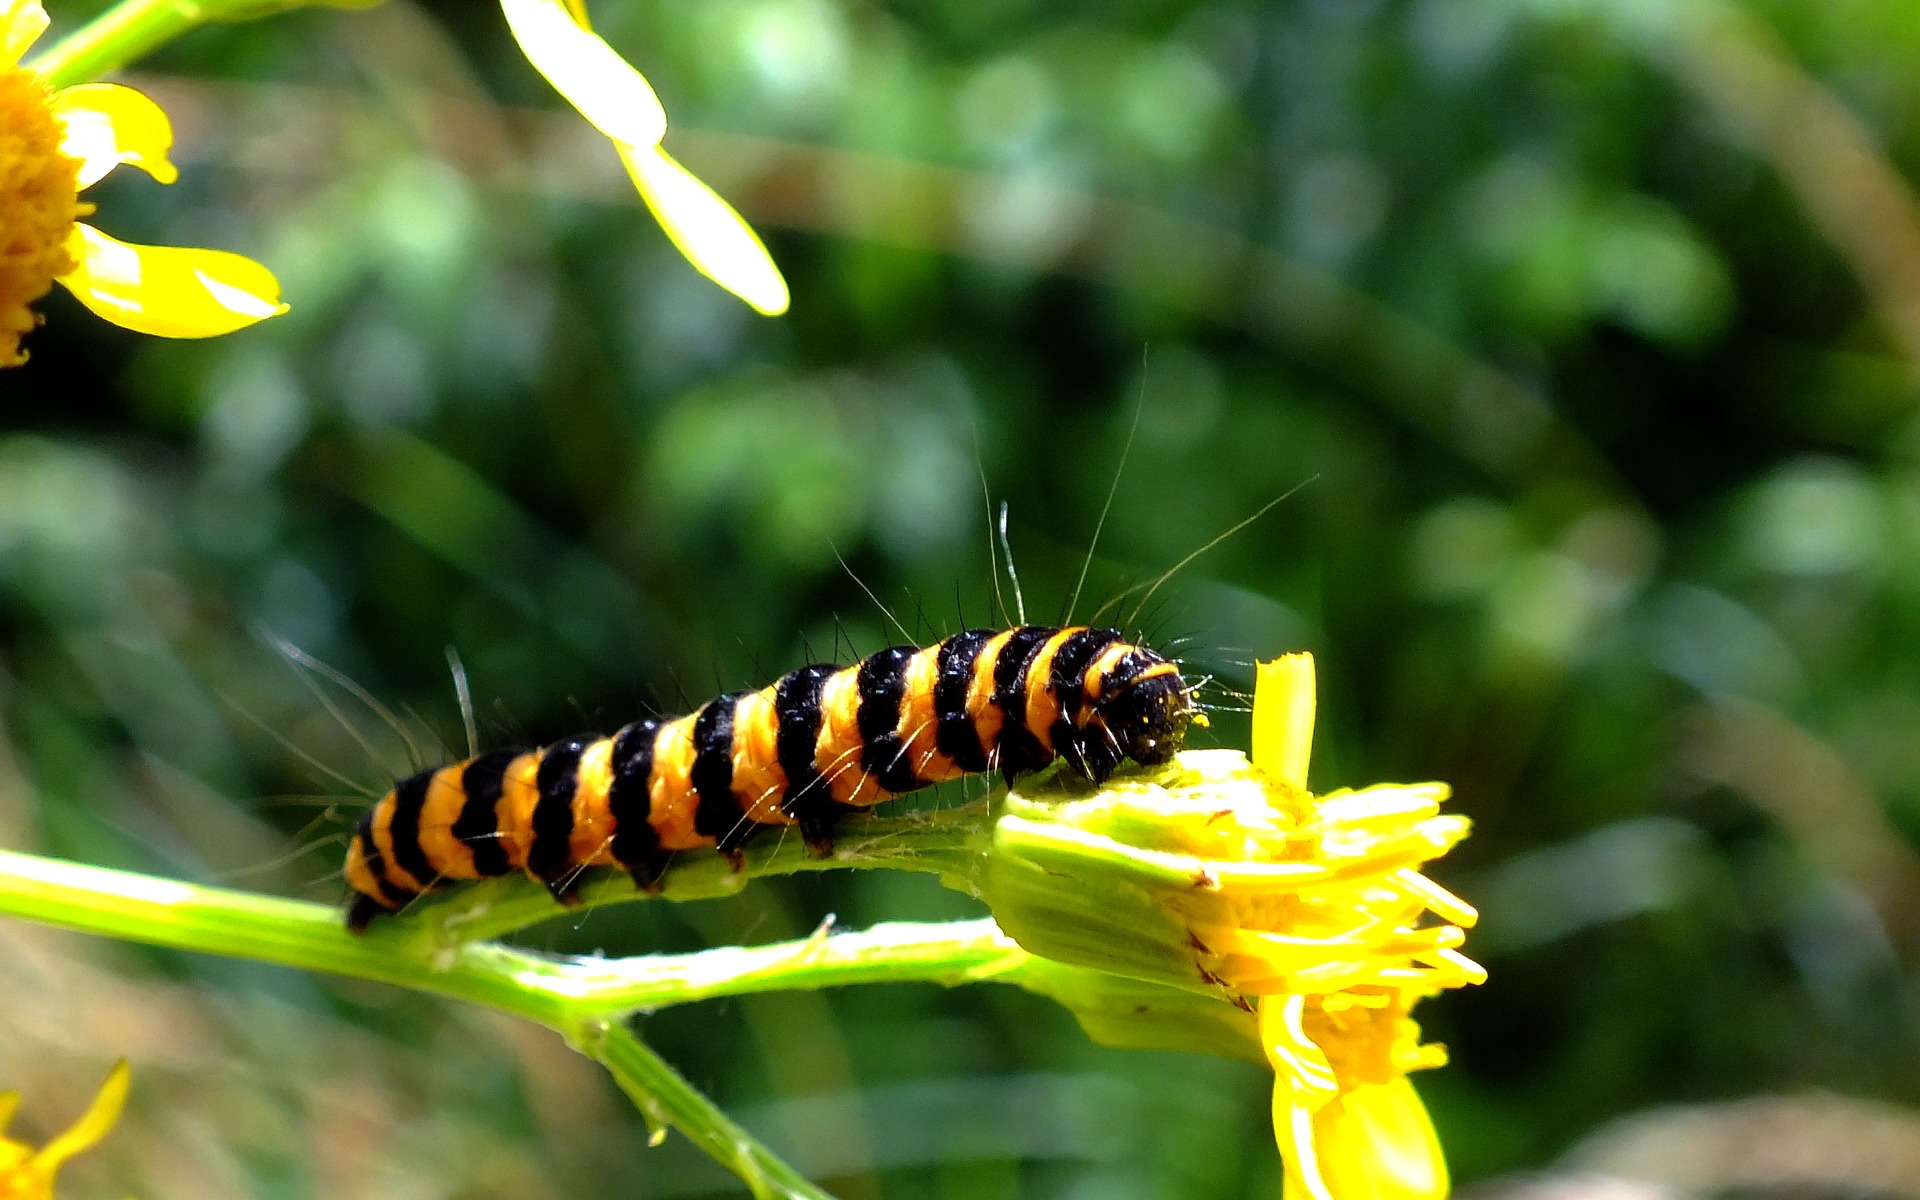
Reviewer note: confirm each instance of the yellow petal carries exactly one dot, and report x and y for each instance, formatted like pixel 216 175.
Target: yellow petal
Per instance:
pixel 1374 1143
pixel 92 1126
pixel 21 23
pixel 712 236
pixel 1301 1071
pixel 590 74
pixel 1283 704
pixel 1299 1156
pixel 1445 905
pixel 169 291
pixel 9 1103
pixel 105 125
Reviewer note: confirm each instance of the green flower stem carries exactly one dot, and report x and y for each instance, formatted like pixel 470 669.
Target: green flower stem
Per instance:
pixel 115 38
pixel 665 1098
pixel 555 992
pixel 443 945
pixel 948 953
pixel 943 842
pixel 580 998
pixel 134 28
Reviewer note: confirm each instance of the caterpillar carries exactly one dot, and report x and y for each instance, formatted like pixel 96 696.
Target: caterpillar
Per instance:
pixel 823 741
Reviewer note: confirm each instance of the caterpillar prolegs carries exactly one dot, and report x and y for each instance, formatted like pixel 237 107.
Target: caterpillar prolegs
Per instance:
pixel 820 742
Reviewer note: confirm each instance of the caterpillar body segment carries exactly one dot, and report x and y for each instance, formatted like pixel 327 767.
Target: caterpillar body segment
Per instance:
pixel 822 741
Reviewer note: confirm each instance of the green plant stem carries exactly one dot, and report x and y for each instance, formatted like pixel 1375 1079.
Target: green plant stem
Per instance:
pixel 665 1098
pixel 117 37
pixel 580 998
pixel 553 991
pixel 134 28
pixel 943 842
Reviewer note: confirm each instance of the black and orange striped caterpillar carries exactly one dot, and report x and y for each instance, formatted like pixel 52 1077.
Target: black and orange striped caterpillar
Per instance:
pixel 822 741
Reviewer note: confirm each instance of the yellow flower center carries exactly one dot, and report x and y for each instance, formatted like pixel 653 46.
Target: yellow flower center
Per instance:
pixel 1368 1037
pixel 39 202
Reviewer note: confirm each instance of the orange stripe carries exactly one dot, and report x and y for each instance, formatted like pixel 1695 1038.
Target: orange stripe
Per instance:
pixel 591 844
pixel 757 777
pixel 1103 667
pixel 396 874
pixel 671 792
pixel 1043 707
pixel 359 876
pixel 917 724
pixel 986 715
pixel 518 795
pixel 449 855
pixel 836 752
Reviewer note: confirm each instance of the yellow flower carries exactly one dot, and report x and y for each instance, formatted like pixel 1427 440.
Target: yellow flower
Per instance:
pixel 619 102
pixel 53 144
pixel 1229 877
pixel 26 1173
pixel 1349 1124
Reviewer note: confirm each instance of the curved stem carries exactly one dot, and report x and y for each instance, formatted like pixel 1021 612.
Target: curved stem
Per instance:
pixel 665 1098
pixel 115 38
pixel 234 924
pixel 553 991
pixel 581 998
pixel 942 842
pixel 124 33
pixel 134 28
pixel 947 953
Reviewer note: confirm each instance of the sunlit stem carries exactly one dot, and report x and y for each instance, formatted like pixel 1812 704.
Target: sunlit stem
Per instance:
pixel 133 29
pixel 943 842
pixel 948 953
pixel 557 992
pixel 583 999
pixel 123 33
pixel 665 1098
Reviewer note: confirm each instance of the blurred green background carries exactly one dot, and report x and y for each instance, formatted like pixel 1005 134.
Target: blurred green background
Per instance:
pixel 1594 326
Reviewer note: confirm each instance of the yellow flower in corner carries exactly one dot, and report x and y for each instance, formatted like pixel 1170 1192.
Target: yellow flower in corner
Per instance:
pixel 26 1173
pixel 619 102
pixel 53 144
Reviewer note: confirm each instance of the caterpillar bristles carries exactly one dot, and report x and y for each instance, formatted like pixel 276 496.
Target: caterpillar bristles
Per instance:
pixel 817 744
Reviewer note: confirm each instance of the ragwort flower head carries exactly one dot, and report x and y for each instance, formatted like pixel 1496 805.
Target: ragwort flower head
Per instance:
pixel 53 145
pixel 1230 878
pixel 28 1174
pixel 618 101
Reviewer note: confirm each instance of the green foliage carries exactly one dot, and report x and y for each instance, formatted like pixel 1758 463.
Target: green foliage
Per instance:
pixel 1605 383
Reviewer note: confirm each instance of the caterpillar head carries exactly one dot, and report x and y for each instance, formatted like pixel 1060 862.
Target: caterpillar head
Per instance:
pixel 1140 709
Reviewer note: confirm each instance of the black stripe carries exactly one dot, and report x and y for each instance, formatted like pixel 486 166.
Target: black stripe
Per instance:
pixel 717 814
pixel 1070 664
pixel 796 701
pixel 403 831
pixel 954 733
pixel 551 855
pixel 1068 682
pixel 361 911
pixel 1010 668
pixel 630 795
pixel 1020 751
pixel 478 824
pixel 882 680
pixel 391 893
